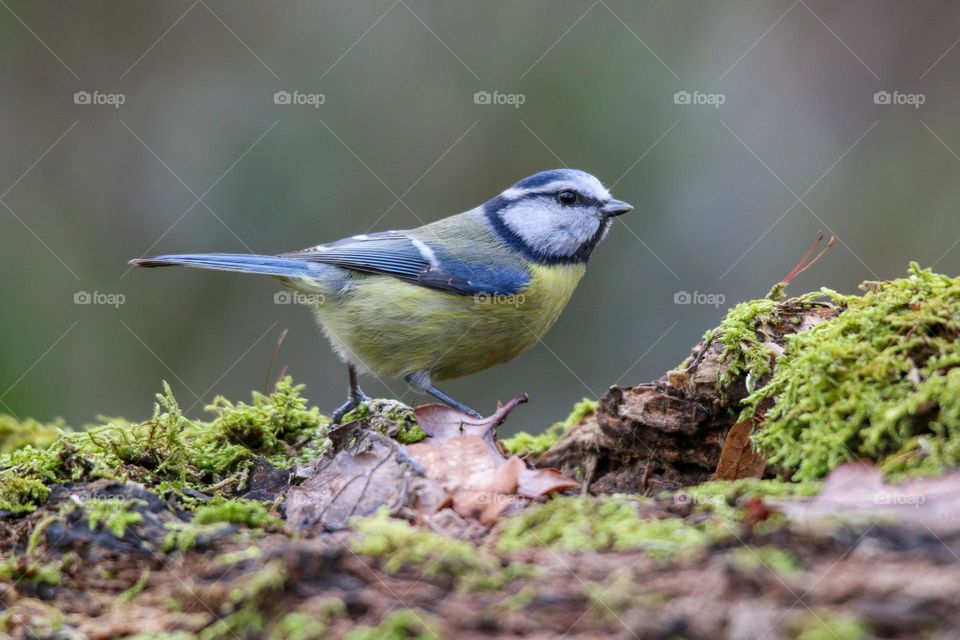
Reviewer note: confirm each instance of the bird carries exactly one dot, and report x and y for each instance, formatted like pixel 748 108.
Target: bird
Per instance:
pixel 449 298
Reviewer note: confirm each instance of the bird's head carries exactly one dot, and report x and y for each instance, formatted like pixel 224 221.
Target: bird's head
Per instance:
pixel 554 216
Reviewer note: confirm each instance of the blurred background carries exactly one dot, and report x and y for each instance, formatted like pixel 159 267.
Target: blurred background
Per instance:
pixel 737 129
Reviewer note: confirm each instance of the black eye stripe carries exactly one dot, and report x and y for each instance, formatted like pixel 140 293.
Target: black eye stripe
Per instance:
pixel 584 200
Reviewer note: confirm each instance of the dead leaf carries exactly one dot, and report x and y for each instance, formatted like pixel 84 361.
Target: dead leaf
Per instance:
pixel 497 492
pixel 442 423
pixel 462 456
pixel 367 471
pixel 739 459
pixel 538 483
pixel 457 462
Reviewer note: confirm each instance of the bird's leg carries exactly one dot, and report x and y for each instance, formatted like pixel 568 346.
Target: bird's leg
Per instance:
pixel 420 381
pixel 355 396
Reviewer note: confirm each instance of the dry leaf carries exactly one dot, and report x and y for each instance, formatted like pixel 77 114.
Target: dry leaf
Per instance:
pixel 739 459
pixel 462 456
pixel 367 472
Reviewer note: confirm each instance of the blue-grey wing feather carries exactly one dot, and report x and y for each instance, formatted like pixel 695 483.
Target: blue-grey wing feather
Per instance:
pixel 393 253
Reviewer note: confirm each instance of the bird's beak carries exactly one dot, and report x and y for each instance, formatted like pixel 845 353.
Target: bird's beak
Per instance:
pixel 615 208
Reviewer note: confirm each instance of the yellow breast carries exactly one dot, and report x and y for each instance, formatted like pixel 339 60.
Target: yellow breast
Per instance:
pixel 393 328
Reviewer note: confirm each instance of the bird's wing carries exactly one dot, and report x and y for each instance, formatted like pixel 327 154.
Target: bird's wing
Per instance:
pixel 419 261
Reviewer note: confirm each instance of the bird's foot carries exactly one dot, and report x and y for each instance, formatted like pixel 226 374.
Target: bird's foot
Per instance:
pixel 354 401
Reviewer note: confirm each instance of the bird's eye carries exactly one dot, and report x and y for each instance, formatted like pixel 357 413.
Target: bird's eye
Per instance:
pixel 568 197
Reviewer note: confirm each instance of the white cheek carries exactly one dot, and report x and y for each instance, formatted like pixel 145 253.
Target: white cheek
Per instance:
pixel 551 232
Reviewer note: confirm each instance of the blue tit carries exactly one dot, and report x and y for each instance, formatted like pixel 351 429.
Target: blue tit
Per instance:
pixel 449 298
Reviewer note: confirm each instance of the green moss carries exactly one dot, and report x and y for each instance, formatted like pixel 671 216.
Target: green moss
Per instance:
pixel 406 624
pixel 183 536
pixel 22 494
pixel 15 434
pixel 238 511
pixel 743 352
pixel 392 418
pixel 397 545
pixel 523 443
pixel 297 626
pixel 410 435
pixel 136 587
pixel 601 524
pixel 748 558
pixel 307 625
pixel 114 514
pixel 618 593
pixel 821 624
pixel 30 569
pixel 721 496
pixel 168 451
pixel 880 381
pixel 272 425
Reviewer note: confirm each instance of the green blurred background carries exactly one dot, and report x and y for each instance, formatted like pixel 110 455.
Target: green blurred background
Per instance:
pixel 199 157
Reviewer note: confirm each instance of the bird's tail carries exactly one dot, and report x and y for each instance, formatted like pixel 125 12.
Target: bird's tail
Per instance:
pixel 243 263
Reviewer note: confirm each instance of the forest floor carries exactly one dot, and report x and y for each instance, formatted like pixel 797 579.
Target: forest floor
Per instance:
pixel 793 478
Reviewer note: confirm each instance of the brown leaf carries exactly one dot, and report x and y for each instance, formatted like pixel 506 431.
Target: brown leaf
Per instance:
pixel 739 459
pixel 455 463
pixel 442 423
pixel 462 456
pixel 367 472
pixel 496 492
pixel 538 483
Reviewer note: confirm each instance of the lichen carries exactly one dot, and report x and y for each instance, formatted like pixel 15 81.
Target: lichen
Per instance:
pixel 523 443
pixel 602 524
pixel 880 381
pixel 168 451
